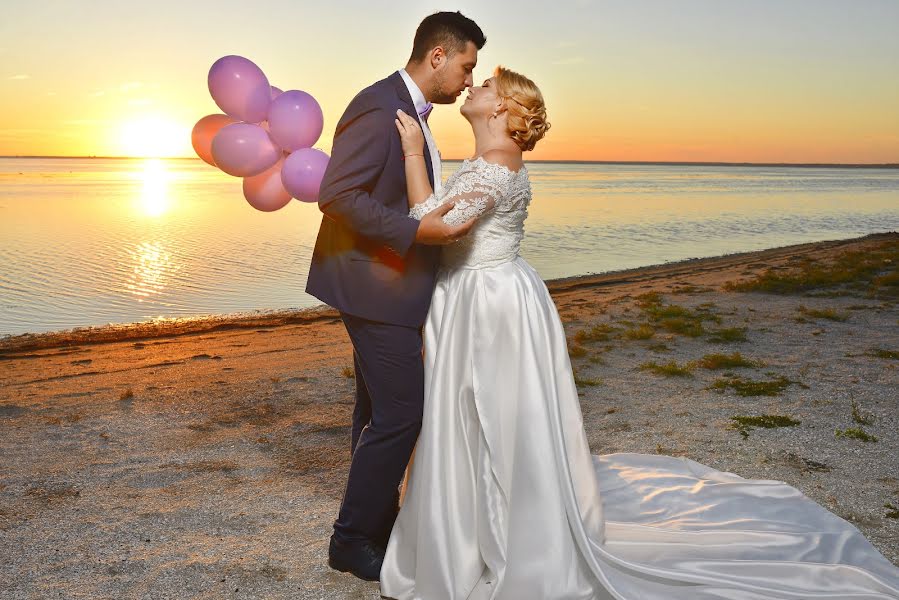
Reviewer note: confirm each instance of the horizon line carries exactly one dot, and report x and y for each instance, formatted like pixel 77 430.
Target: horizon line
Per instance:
pixel 547 161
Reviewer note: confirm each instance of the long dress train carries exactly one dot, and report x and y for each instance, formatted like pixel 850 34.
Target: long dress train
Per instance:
pixel 504 499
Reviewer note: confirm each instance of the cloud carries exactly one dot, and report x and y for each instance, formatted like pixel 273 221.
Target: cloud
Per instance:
pixel 131 85
pixel 98 93
pixel 140 102
pixel 51 93
pixel 20 77
pixel 570 60
pixel 566 44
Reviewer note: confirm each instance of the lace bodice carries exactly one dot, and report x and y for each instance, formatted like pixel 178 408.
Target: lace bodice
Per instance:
pixel 498 196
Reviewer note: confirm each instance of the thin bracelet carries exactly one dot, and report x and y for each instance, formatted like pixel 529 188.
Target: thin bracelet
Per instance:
pixel 405 155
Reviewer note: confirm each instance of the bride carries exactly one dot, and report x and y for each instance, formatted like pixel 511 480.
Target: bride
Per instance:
pixel 503 498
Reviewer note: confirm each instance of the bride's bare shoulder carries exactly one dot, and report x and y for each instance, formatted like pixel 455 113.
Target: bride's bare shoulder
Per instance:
pixel 507 158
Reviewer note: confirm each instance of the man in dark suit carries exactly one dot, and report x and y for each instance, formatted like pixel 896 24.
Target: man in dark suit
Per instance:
pixel 377 266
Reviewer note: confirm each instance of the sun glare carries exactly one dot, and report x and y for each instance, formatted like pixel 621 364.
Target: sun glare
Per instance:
pixel 152 137
pixel 154 198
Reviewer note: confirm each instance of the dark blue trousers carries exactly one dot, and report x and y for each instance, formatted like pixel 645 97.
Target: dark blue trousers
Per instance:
pixel 386 423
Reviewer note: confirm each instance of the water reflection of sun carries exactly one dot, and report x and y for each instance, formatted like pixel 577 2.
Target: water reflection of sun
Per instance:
pixel 152 266
pixel 154 198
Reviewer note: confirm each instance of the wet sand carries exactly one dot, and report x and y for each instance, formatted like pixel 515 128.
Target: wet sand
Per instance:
pixel 207 458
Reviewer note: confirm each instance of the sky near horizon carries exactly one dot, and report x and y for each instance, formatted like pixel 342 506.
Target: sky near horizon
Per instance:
pixel 645 80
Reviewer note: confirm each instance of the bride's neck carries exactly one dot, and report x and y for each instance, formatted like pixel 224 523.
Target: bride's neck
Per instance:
pixel 489 138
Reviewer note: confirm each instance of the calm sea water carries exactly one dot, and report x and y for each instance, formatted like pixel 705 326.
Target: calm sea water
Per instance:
pixel 96 241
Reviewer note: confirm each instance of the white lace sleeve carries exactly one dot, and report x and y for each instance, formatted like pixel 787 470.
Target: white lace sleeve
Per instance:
pixel 475 188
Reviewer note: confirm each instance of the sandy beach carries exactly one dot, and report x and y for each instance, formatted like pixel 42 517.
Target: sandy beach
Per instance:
pixel 206 458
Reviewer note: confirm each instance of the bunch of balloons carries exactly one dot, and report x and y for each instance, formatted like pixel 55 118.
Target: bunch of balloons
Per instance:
pixel 265 135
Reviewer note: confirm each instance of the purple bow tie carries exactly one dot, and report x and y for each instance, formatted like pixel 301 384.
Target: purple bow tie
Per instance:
pixel 424 112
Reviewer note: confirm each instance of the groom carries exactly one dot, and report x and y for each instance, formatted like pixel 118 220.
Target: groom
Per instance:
pixel 377 266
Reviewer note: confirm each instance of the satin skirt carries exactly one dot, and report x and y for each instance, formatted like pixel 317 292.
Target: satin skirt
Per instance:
pixel 503 499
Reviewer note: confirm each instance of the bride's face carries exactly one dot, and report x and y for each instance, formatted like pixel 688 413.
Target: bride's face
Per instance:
pixel 481 102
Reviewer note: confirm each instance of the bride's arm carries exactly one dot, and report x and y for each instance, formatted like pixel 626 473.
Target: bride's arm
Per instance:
pixel 418 188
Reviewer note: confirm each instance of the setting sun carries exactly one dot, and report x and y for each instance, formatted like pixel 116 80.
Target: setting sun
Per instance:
pixel 153 137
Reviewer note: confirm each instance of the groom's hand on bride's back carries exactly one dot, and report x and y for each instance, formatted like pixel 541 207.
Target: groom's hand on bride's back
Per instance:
pixel 433 231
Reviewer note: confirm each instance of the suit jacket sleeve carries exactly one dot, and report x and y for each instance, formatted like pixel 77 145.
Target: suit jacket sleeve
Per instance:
pixel 358 157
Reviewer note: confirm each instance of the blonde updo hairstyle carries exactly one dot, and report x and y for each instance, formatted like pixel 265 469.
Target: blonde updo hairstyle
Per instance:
pixel 523 101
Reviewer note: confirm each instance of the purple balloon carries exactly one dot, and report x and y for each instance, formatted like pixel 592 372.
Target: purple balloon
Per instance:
pixel 302 173
pixel 296 120
pixel 240 88
pixel 276 91
pixel 244 149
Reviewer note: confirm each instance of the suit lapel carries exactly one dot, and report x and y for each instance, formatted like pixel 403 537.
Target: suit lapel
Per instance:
pixel 403 93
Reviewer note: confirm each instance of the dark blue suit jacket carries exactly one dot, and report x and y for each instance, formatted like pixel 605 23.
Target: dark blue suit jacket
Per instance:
pixel 365 261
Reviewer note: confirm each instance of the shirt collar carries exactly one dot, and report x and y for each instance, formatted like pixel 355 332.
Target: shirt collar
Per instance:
pixel 418 98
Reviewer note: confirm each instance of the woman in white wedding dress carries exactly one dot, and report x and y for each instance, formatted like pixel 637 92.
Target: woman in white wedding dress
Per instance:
pixel 503 498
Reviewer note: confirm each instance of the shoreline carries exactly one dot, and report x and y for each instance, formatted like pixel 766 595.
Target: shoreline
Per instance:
pixel 177 326
pixel 211 463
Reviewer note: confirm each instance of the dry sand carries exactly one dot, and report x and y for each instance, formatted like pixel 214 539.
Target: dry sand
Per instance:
pixel 206 459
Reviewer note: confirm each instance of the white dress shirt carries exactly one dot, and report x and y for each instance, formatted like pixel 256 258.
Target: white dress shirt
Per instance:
pixel 418 99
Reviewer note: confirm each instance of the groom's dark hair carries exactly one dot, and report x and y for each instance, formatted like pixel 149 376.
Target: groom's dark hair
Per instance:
pixel 451 30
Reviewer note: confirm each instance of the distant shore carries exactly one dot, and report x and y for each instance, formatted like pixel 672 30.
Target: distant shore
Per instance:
pixel 577 162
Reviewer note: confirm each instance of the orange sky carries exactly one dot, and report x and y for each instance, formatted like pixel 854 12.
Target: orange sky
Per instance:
pixel 694 80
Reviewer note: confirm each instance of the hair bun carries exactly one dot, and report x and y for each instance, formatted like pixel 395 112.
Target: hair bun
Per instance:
pixel 524 104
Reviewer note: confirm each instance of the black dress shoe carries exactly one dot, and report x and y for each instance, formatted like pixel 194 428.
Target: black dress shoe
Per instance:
pixel 362 559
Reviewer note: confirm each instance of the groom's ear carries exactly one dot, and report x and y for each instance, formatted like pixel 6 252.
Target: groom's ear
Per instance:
pixel 438 57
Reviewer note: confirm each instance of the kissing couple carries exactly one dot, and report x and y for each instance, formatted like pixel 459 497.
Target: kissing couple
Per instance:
pixel 461 357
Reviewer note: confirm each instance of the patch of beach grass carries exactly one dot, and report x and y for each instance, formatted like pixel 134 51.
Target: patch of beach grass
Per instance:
pixel 675 318
pixel 747 387
pixel 727 361
pixel 822 313
pixel 601 332
pixel 586 381
pixel 745 423
pixel 881 353
pixel 348 372
pixel 858 417
pixel 127 394
pixel 892 512
pixel 641 332
pixel 670 369
pixel 872 272
pixel 727 335
pixel 648 299
pixel 856 433
pixel 576 350
pixel 596 359
pixel 691 289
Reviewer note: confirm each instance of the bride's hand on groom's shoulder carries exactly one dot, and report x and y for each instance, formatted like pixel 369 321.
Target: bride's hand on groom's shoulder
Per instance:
pixel 434 232
pixel 411 136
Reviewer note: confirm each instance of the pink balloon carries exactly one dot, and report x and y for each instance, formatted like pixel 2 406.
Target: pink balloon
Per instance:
pixel 295 120
pixel 276 92
pixel 204 131
pixel 240 88
pixel 265 191
pixel 244 149
pixel 302 173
